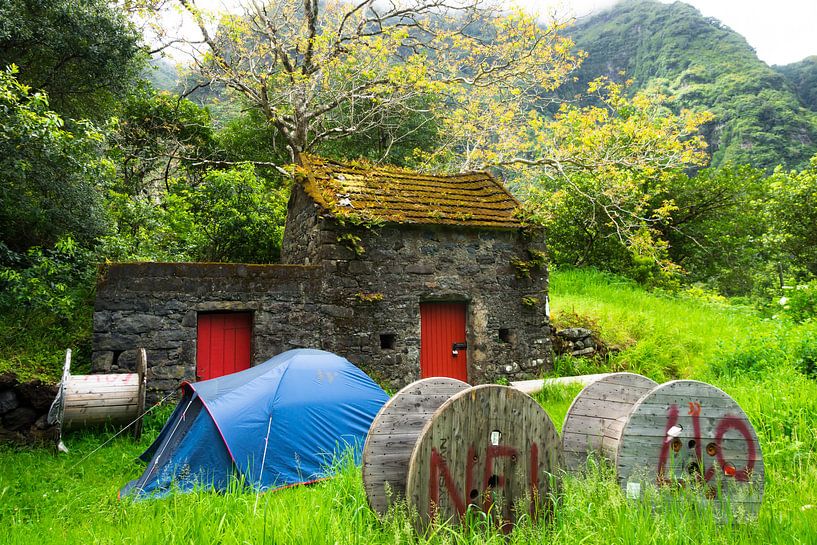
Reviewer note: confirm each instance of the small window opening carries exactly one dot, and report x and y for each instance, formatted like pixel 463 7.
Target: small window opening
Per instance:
pixel 505 335
pixel 115 359
pixel 387 341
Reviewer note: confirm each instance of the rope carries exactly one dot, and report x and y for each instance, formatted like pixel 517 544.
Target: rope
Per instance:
pixel 117 434
pixel 263 462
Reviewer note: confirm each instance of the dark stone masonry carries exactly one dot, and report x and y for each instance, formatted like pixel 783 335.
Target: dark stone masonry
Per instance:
pixel 363 251
pixel 24 411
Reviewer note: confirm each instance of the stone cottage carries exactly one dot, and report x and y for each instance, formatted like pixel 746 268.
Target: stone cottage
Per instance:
pixel 407 275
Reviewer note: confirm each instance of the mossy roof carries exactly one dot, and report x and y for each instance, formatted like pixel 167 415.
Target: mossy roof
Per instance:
pixel 394 195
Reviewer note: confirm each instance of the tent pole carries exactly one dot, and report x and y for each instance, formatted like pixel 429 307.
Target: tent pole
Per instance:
pixel 263 461
pixel 147 474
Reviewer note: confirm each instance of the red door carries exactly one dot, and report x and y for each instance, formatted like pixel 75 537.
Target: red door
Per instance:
pixel 223 344
pixel 443 352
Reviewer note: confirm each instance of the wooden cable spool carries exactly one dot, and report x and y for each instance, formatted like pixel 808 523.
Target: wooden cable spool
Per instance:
pixel 690 435
pixel 393 434
pixel 87 400
pixel 491 447
pixel 595 419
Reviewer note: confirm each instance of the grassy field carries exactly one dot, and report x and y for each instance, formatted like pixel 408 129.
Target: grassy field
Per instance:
pixel 763 364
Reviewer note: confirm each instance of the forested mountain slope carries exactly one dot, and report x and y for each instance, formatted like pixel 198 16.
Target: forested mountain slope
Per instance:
pixel 761 113
pixel 803 75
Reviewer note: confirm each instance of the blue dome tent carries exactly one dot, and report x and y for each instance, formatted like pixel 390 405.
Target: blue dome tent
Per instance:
pixel 276 424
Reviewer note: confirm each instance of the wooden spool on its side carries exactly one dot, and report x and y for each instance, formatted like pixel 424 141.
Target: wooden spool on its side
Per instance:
pixel 491 447
pixel 595 419
pixel 393 434
pixel 690 435
pixel 89 400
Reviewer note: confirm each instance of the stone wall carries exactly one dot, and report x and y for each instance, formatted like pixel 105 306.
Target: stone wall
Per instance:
pixel 301 242
pixel 359 297
pixel 378 280
pixel 24 411
pixel 156 306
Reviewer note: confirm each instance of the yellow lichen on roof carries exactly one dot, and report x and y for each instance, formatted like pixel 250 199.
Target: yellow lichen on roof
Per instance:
pixel 395 195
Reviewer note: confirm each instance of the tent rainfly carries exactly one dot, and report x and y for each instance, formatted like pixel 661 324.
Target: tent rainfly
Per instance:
pixel 276 424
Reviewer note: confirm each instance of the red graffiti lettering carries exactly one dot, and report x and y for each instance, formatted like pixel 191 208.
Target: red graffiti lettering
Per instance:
pixel 439 465
pixel 728 422
pixel 534 478
pixel 489 480
pixel 439 470
pixel 672 420
pixel 695 412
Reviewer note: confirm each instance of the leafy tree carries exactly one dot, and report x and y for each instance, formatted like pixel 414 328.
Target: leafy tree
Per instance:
pixel 240 215
pixel 158 137
pixel 319 73
pixel 50 174
pixel 231 215
pixel 792 217
pixel 83 55
pixel 595 175
pixel 51 217
pixel 323 71
pixel 714 233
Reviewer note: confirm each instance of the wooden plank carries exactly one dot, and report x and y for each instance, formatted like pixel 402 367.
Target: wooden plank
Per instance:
pixel 105 402
pixel 101 388
pixel 490 447
pixel 117 394
pixel 393 434
pixel 82 416
pixel 687 431
pixel 593 422
pixel 99 411
pixel 94 381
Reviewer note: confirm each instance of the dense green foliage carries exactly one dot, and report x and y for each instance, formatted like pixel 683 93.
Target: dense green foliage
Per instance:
pixel 792 216
pixel 759 119
pixel 157 182
pixel 84 55
pixel 803 75
pixel 51 173
pixel 714 233
pixel 45 498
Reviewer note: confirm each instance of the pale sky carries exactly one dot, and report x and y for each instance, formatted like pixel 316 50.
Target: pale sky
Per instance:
pixel 781 31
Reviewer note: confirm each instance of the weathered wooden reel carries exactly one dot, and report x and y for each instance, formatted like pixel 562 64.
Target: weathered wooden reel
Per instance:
pixel 393 434
pixel 594 421
pixel 689 434
pixel 444 446
pixel 491 447
pixel 682 434
pixel 88 400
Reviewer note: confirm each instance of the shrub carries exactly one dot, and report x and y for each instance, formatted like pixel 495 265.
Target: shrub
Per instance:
pixel 801 303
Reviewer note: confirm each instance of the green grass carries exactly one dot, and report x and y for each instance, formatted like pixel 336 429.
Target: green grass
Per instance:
pixel 664 336
pixel 46 498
